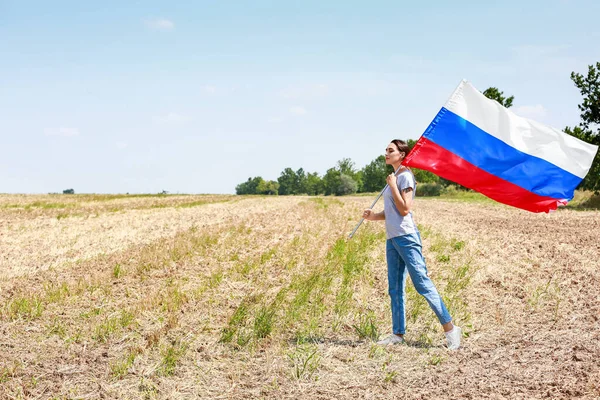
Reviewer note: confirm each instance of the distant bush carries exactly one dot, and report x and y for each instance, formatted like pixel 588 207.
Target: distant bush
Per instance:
pixel 423 176
pixel 451 190
pixel 68 191
pixel 257 185
pixel 429 189
pixel 585 200
pixel 346 186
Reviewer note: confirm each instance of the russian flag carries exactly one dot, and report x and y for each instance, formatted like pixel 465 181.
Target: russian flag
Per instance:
pixel 478 143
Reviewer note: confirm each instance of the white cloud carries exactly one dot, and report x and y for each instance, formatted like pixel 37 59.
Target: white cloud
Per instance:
pixel 296 92
pixel 160 24
pixel 171 117
pixel 121 145
pixel 535 112
pixel 297 110
pixel 66 132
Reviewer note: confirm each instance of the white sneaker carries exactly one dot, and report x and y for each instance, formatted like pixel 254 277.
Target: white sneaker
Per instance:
pixel 454 338
pixel 392 339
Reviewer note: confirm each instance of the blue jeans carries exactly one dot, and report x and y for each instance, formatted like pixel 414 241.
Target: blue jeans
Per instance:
pixel 404 256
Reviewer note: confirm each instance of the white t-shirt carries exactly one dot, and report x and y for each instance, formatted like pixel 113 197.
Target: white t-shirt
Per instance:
pixel 396 224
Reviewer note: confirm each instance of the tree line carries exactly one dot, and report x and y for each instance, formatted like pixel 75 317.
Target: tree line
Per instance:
pixel 344 178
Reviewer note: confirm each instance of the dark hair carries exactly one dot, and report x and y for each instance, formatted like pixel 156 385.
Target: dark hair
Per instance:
pixel 402 146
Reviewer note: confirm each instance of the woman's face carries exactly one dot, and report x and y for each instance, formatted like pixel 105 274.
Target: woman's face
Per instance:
pixel 393 155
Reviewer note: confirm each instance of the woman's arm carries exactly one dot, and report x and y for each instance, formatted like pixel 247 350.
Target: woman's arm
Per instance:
pixel 402 199
pixel 369 215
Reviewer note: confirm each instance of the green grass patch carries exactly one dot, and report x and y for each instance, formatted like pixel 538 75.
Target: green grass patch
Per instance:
pixel 458 282
pixel 324 203
pixel 89 197
pixel 237 320
pixel 48 206
pixel 453 278
pixel 43 205
pixel 171 356
pixel 172 298
pixel 55 292
pixel 57 328
pixel 117 271
pixel 264 321
pixel 318 296
pixel 467 197
pixel 8 372
pixel 366 327
pixel 201 203
pixel 305 361
pixel 120 368
pixel 110 326
pixel 25 307
pixel 443 258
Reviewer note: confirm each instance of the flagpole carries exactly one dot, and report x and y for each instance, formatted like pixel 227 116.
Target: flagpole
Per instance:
pixel 372 205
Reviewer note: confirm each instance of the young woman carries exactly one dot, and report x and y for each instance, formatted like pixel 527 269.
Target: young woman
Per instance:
pixel 403 249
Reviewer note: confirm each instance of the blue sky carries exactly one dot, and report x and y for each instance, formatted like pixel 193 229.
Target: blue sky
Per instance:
pixel 195 97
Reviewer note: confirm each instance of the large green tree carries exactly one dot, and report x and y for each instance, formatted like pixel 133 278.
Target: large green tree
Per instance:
pixel 314 184
pixel 374 173
pixel 250 186
pixel 589 86
pixel 257 185
pixel 495 94
pixel 267 187
pixel 589 127
pixel 287 182
pixel 301 181
pixel 291 182
pixel 346 167
pixel 331 181
pixel 337 179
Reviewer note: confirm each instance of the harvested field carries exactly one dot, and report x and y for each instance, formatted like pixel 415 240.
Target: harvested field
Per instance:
pixel 167 297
